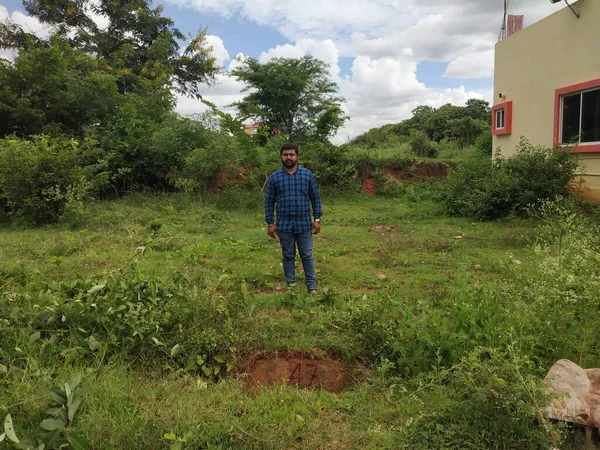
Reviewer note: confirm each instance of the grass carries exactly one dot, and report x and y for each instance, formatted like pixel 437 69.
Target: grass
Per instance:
pixel 405 292
pixel 448 153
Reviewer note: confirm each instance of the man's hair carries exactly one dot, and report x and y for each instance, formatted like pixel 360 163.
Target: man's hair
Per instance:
pixel 288 146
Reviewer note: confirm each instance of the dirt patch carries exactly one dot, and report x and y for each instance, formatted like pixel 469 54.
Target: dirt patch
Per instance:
pixel 384 228
pixel 295 370
pixel 229 175
pixel 368 186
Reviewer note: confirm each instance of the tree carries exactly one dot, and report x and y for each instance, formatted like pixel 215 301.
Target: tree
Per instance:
pixel 137 44
pixel 294 96
pixel 114 83
pixel 479 110
pixel 54 88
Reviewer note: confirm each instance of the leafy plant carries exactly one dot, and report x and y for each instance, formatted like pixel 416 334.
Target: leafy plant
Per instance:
pixel 421 145
pixel 57 429
pixel 485 189
pixel 43 179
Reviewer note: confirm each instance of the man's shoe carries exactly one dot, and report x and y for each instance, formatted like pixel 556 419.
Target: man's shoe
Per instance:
pixel 313 291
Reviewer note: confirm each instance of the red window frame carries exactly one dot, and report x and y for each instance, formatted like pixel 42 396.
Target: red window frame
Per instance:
pixel 559 93
pixel 507 107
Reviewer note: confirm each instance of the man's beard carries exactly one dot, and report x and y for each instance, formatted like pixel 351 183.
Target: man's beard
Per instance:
pixel 289 163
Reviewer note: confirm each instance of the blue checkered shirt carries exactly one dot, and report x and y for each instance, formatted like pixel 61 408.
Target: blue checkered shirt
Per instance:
pixel 293 195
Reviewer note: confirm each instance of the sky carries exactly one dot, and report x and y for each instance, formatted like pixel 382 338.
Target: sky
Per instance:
pixel 387 56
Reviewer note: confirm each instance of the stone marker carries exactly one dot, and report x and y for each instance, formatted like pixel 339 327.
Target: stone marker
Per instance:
pixel 327 374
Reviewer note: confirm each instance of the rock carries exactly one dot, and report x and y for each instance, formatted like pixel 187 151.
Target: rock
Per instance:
pixel 581 388
pixel 477 266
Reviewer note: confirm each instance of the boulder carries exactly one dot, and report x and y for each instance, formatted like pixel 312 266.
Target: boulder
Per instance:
pixel 580 402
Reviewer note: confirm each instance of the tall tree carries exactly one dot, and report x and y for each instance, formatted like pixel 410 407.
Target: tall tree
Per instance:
pixel 295 96
pixel 479 109
pixel 137 41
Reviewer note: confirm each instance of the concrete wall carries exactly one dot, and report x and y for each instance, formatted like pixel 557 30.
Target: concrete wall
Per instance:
pixel 531 65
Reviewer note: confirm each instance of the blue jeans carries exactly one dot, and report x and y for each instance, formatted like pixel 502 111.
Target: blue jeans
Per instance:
pixel 288 249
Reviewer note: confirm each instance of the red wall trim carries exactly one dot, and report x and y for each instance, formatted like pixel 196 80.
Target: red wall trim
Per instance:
pixel 582 148
pixel 507 106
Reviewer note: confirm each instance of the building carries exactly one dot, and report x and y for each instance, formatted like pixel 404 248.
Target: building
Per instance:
pixel 251 128
pixel 547 87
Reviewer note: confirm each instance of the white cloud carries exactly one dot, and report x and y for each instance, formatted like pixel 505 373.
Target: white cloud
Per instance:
pixel 439 30
pixel 218 49
pixel 386 90
pixel 475 64
pixel 8 54
pixel 29 24
pixel 325 50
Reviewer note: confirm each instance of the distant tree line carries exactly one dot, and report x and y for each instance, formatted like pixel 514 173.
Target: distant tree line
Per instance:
pixel 464 125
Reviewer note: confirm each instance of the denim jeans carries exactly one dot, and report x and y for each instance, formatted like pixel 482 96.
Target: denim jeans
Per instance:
pixel 288 249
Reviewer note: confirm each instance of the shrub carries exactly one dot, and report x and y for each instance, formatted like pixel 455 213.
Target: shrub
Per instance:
pixel 172 143
pixel 332 167
pixel 387 185
pixel 492 399
pixel 204 164
pixel 43 179
pixel 485 189
pixel 422 146
pixel 483 143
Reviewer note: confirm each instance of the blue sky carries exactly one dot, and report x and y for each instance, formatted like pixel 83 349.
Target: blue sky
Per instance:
pixel 387 56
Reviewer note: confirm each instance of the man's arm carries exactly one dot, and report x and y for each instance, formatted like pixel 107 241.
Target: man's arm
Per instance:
pixel 315 201
pixel 270 198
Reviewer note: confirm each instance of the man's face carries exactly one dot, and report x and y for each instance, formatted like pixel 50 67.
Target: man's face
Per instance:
pixel 289 158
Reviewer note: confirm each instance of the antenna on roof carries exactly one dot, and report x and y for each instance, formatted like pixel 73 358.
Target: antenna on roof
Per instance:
pixel 503 28
pixel 570 7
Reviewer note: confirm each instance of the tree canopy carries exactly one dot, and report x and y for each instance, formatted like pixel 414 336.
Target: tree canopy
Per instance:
pixel 108 71
pixel 294 96
pixel 136 40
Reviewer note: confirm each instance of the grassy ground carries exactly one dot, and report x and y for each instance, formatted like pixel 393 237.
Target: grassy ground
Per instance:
pixel 393 275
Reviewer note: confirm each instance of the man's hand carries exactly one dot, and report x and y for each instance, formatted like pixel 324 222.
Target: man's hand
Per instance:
pixel 316 227
pixel 272 231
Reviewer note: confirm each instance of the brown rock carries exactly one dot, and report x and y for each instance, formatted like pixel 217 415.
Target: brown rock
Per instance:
pixel 581 388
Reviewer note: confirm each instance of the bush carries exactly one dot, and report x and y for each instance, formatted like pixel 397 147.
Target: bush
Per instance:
pixel 172 143
pixel 204 164
pixel 492 399
pixel 43 179
pixel 332 167
pixel 485 189
pixel 483 143
pixel 387 185
pixel 422 146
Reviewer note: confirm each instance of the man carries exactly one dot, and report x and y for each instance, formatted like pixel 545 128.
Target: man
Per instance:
pixel 294 190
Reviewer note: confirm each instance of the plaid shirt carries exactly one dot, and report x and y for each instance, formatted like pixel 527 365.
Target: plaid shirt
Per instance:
pixel 293 195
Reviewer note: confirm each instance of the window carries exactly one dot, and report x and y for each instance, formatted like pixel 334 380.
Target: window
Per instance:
pixel 581 118
pixel 577 116
pixel 502 118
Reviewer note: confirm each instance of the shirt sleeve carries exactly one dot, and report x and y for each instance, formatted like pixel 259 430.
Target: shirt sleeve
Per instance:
pixel 270 201
pixel 313 195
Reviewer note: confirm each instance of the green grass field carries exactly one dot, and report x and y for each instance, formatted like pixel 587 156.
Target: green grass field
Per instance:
pixel 451 322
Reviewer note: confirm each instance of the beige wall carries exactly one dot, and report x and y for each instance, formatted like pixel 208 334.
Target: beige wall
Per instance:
pixel 556 52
